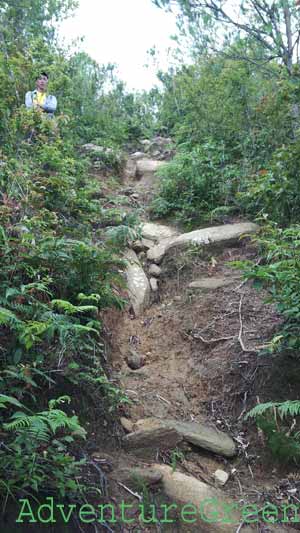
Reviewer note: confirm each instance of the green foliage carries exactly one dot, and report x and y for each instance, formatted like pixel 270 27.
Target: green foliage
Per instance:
pixel 38 455
pixel 283 409
pixel 280 275
pixel 283 442
pixel 195 183
pixel 59 269
pixel 274 192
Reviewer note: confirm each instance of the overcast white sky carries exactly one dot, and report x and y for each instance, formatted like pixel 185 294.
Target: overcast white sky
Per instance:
pixel 121 31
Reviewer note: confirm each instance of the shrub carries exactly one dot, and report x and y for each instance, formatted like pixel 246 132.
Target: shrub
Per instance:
pixel 279 273
pixel 274 192
pixel 195 183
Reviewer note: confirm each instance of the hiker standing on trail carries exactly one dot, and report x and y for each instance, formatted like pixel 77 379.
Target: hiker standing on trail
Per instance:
pixel 39 98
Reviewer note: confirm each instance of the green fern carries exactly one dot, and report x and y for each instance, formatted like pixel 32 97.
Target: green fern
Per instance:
pixel 41 427
pixel 288 408
pixel 71 309
pixel 284 442
pixel 4 399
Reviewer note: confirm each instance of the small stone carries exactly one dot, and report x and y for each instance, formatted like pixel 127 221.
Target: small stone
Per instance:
pixel 126 424
pixel 221 477
pixel 134 360
pixel 155 270
pixel 153 284
pixel 177 298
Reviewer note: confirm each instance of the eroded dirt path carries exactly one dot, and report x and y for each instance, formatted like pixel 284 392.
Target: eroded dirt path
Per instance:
pixel 195 355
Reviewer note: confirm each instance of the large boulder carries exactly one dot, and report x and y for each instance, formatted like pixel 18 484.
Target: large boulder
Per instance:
pixel 201 435
pixel 137 282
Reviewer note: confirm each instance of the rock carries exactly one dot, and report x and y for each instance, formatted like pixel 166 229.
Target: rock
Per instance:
pixel 145 142
pixel 201 435
pixel 128 191
pixel 142 245
pixel 210 284
pixel 106 462
pixel 147 443
pixel 154 284
pixel 90 147
pixel 209 504
pixel 161 141
pixel 214 236
pixel 156 253
pixel 155 153
pixel 94 150
pixel 130 169
pixel 147 167
pixel 207 508
pixel 135 195
pixel 126 424
pixel 137 155
pixel 137 282
pixel 157 232
pixel 155 270
pixel 226 234
pixel 221 477
pixel 135 360
pixel 136 477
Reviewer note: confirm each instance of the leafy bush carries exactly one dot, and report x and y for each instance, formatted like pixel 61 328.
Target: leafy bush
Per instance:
pixel 195 183
pixel 280 275
pixel 274 192
pixel 55 281
pixel 38 454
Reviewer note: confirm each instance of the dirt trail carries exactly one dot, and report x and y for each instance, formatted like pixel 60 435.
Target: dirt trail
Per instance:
pixel 199 362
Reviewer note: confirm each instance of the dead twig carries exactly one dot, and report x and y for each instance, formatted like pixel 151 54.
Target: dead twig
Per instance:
pixel 240 337
pixel 135 494
pixel 212 341
pixel 240 527
pixel 163 399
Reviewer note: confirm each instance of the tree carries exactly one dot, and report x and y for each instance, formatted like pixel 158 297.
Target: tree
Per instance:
pixel 272 29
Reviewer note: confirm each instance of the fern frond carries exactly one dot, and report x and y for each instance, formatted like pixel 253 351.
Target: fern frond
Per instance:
pixel 4 399
pixel 288 408
pixel 57 401
pixel 71 309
